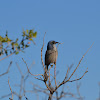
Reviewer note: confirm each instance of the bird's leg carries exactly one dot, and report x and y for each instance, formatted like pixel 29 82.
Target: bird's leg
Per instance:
pixel 55 75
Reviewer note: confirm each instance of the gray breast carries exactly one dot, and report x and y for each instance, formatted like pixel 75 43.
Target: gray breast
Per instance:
pixel 51 57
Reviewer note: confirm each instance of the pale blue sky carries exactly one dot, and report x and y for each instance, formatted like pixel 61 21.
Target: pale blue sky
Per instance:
pixel 74 22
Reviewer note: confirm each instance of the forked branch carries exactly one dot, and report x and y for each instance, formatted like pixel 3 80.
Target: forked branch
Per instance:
pixel 66 79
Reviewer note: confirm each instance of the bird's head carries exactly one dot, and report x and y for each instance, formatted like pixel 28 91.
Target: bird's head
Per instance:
pixel 51 45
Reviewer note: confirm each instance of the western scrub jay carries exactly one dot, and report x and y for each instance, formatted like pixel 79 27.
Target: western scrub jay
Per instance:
pixel 51 53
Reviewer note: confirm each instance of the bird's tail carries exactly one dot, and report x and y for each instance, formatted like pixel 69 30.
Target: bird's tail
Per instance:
pixel 45 73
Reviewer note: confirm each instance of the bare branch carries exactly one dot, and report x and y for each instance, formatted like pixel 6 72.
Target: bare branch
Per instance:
pixel 41 52
pixel 29 70
pixel 10 90
pixel 63 82
pixel 78 78
pixel 6 57
pixel 66 74
pixel 7 69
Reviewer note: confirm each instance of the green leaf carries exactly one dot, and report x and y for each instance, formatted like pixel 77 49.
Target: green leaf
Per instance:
pixel 31 39
pixel 31 31
pixel 16 44
pixel 12 43
pixel 30 35
pixel 1 38
pixel 34 34
pixel 26 46
pixel 16 52
pixel 9 40
pixel 4 40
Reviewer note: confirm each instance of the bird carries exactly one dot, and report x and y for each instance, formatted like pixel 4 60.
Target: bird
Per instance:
pixel 51 53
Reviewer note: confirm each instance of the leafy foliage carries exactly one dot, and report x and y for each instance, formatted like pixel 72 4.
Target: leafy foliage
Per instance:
pixel 8 46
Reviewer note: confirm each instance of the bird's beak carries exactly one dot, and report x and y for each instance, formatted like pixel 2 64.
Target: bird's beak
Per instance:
pixel 59 43
pixel 56 42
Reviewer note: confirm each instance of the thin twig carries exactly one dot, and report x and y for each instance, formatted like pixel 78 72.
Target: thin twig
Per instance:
pixel 66 74
pixel 80 62
pixel 10 90
pixel 78 78
pixel 41 52
pixel 29 70
pixel 6 56
pixel 7 69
